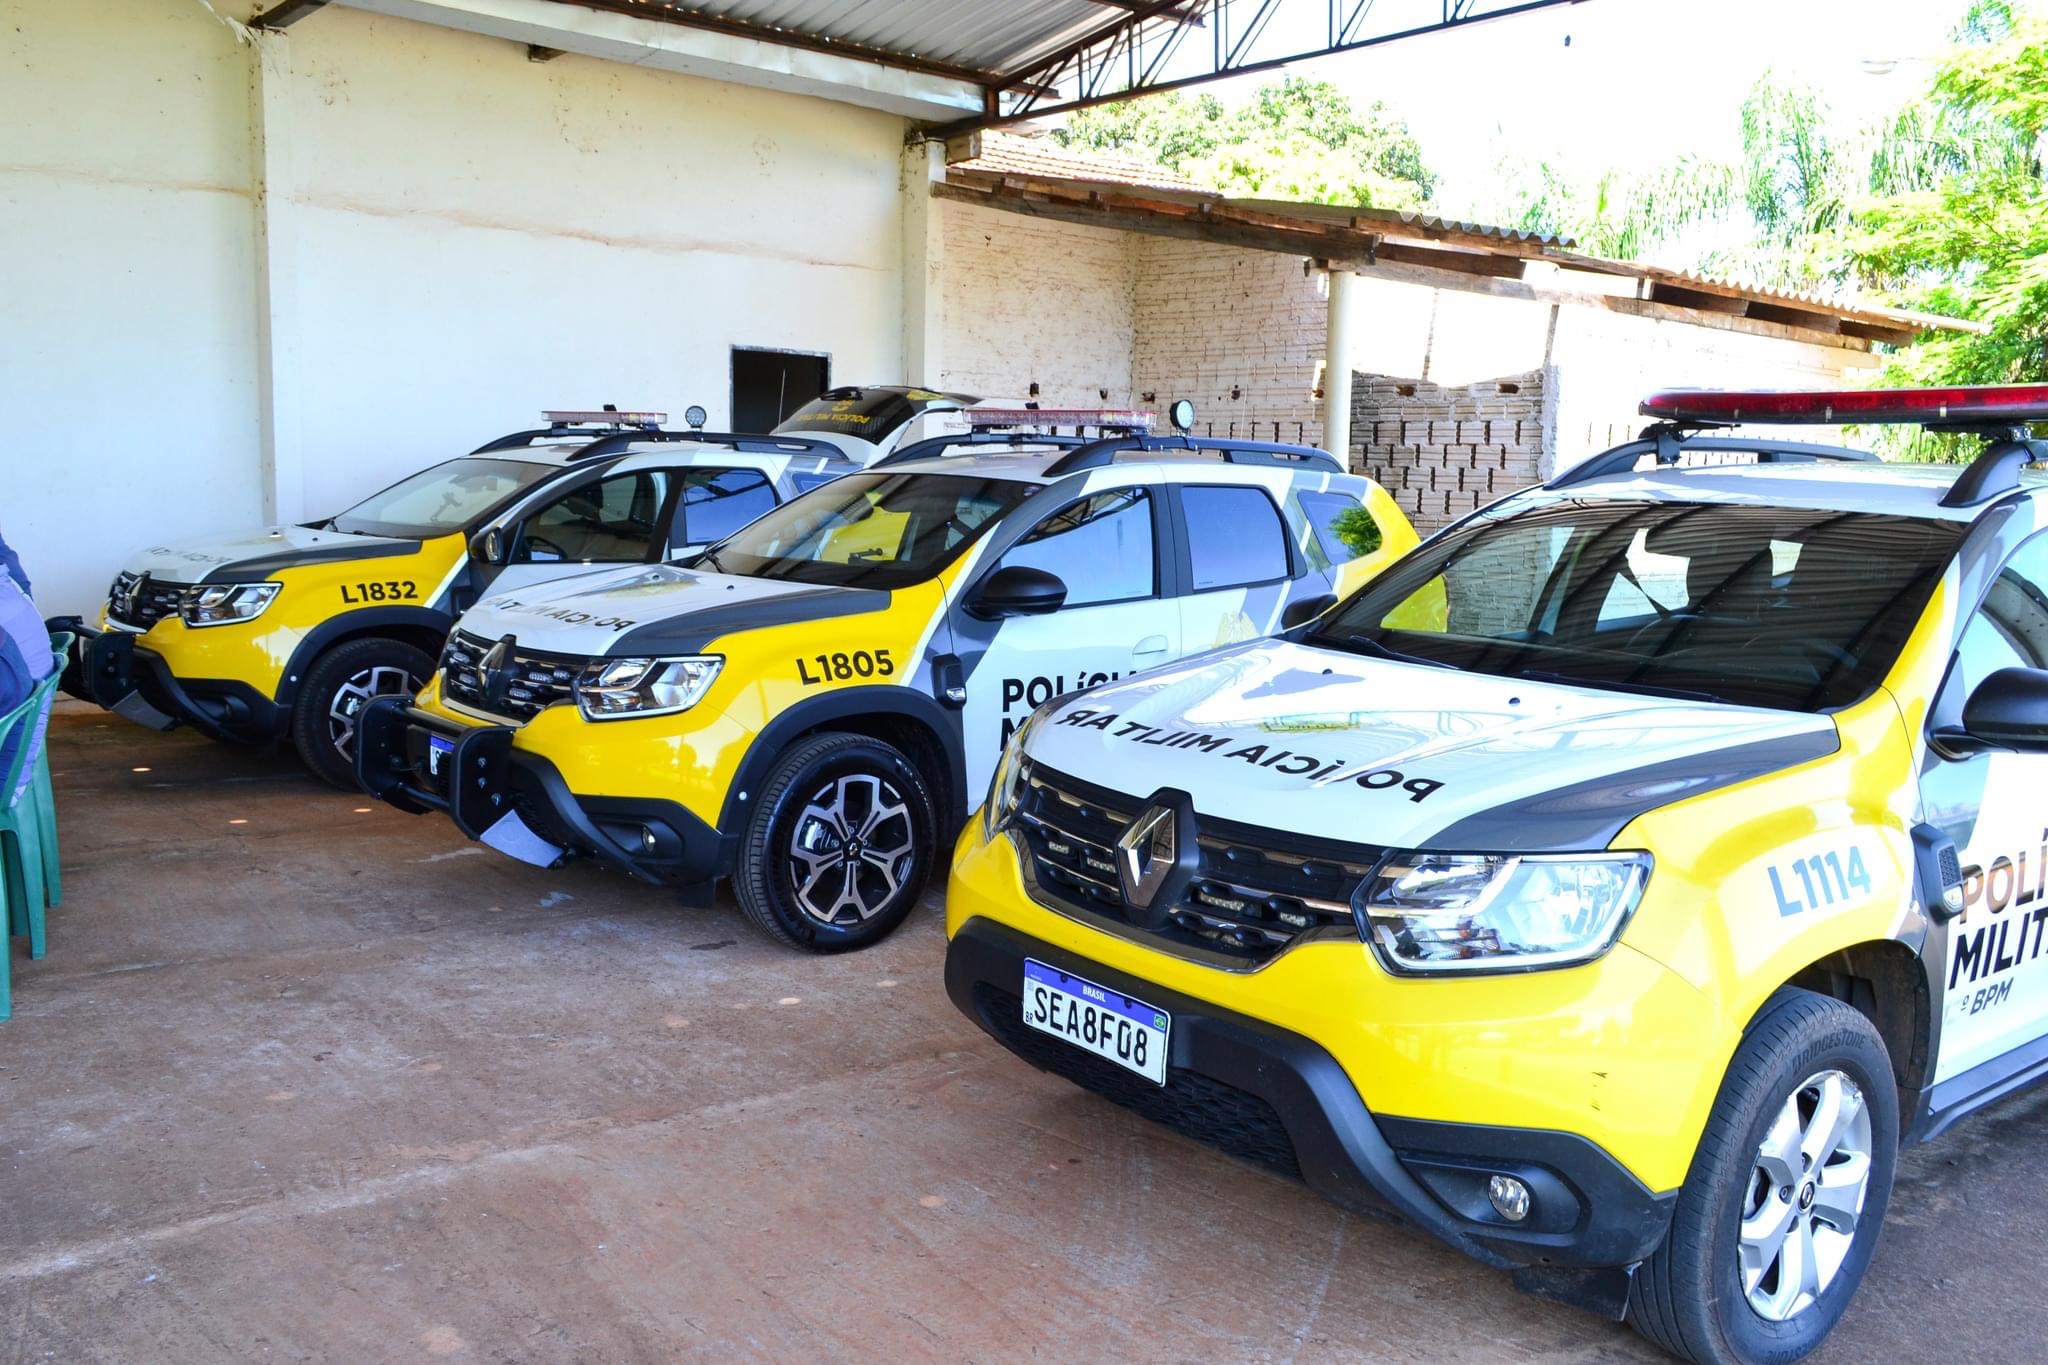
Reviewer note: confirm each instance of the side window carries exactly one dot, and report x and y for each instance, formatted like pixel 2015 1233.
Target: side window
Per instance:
pixel 2010 630
pixel 717 502
pixel 611 521
pixel 1100 546
pixel 1235 536
pixel 1344 529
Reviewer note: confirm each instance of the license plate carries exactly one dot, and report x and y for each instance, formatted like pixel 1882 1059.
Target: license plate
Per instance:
pixel 1096 1019
pixel 437 750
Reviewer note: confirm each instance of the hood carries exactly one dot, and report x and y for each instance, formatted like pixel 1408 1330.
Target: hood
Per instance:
pixel 655 609
pixel 1366 751
pixel 251 555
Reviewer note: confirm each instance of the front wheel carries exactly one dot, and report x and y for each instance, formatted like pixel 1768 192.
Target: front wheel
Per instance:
pixel 337 687
pixel 839 846
pixel 1780 1215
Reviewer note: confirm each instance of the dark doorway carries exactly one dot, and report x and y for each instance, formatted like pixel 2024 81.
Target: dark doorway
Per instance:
pixel 768 386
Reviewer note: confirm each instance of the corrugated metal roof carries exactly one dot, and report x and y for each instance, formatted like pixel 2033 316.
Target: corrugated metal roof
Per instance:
pixel 986 35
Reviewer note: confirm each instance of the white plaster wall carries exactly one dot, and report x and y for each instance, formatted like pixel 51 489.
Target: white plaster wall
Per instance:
pixel 455 237
pixel 473 236
pixel 127 285
pixel 1609 362
pixel 1034 301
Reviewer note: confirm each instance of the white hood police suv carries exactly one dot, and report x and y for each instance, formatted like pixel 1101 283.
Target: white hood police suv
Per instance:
pixel 809 706
pixel 1609 887
pixel 289 631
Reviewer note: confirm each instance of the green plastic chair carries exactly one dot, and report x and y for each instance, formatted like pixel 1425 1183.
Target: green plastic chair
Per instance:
pixel 45 797
pixel 21 828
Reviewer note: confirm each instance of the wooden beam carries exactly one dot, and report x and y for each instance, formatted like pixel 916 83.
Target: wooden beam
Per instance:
pixel 1459 262
pixel 286 13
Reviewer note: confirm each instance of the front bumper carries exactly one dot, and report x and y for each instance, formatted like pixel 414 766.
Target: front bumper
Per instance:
pixel 1282 1101
pixel 114 670
pixel 483 778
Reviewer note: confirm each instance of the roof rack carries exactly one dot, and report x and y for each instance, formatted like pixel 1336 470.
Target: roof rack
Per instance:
pixel 935 447
pixel 1097 454
pixel 601 441
pixel 1667 441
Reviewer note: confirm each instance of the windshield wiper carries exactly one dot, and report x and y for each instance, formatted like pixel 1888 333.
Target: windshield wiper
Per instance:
pixel 1365 644
pixel 1601 685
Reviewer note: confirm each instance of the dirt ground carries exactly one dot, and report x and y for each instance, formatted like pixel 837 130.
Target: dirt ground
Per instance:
pixel 303 1078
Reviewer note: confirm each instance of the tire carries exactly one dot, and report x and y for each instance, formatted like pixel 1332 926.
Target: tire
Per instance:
pixel 800 875
pixel 337 686
pixel 1708 1294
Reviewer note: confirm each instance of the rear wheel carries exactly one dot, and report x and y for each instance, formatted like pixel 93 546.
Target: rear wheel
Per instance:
pixel 1780 1214
pixel 337 687
pixel 839 847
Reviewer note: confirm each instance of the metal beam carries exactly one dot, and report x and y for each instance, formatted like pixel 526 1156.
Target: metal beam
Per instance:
pixel 286 13
pixel 1144 52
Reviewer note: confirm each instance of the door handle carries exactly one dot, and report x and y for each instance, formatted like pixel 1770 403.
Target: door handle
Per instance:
pixel 1151 644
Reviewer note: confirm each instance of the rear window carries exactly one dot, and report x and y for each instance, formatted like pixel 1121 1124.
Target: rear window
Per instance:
pixel 1344 529
pixel 1759 606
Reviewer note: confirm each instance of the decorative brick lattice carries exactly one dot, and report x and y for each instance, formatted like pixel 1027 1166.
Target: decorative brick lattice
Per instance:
pixel 1444 451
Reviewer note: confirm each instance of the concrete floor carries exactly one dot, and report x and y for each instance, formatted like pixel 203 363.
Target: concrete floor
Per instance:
pixel 307 1081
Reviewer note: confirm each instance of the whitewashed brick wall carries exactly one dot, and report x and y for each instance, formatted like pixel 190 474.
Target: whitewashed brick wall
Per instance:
pixel 1238 332
pixel 1030 301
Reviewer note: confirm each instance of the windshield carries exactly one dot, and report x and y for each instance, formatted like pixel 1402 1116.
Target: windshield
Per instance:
pixel 440 501
pixel 869 530
pixel 1757 606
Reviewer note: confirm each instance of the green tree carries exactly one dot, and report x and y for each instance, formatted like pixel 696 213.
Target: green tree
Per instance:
pixel 1295 139
pixel 1973 242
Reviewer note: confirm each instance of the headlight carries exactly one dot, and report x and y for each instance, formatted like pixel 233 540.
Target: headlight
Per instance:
pixel 615 689
pixel 1463 912
pixel 217 604
pixel 1006 788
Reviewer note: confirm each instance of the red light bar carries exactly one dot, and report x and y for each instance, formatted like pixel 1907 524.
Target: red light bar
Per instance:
pixel 607 417
pixel 1981 403
pixel 1132 418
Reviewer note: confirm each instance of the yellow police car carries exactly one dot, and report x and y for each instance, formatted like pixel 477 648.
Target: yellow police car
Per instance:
pixel 1609 887
pixel 811 706
pixel 286 632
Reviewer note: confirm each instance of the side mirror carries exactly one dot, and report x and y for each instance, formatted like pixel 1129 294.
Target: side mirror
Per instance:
pixel 489 546
pixel 1018 590
pixel 2009 710
pixel 1306 609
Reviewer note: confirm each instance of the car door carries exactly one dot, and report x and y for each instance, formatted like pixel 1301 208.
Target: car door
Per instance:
pixel 715 501
pixel 1995 807
pixel 617 519
pixel 1239 564
pixel 1105 547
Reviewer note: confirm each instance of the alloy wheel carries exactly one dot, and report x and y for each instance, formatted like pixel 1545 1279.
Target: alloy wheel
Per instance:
pixel 851 849
pixel 1804 1203
pixel 363 687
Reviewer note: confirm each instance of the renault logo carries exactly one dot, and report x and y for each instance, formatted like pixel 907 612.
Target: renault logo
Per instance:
pixel 1146 854
pixel 490 670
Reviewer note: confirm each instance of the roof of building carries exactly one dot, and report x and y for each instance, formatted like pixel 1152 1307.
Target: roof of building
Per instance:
pixel 1004 171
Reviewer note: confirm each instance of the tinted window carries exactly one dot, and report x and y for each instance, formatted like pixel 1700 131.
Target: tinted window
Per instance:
pixel 440 501
pixel 1100 547
pixel 1344 529
pixel 1235 536
pixel 610 521
pixel 1762 606
pixel 869 530
pixel 717 502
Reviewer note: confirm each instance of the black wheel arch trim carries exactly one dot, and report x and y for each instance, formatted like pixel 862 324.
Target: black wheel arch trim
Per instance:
pixel 368 621
pixel 891 700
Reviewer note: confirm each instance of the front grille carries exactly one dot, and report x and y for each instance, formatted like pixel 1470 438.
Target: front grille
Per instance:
pixel 531 679
pixel 1233 1121
pixel 1256 892
pixel 139 601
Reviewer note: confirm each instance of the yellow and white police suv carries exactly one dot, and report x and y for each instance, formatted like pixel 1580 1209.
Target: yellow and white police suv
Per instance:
pixel 287 632
pixel 1609 887
pixel 811 706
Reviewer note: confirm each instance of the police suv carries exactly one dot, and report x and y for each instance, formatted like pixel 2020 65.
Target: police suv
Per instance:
pixel 810 706
pixel 287 632
pixel 1609 887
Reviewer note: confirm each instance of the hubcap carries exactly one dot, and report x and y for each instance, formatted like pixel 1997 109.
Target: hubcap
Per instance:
pixel 362 687
pixel 1805 1196
pixel 851 849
